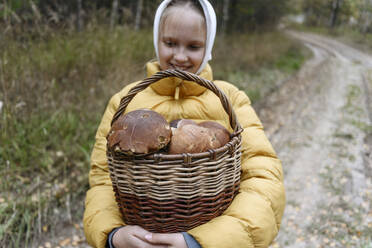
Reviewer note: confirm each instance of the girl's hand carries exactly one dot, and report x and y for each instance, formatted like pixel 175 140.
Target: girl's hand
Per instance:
pixel 134 237
pixel 170 240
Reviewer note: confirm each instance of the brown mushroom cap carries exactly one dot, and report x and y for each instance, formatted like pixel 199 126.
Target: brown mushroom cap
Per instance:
pixel 191 138
pixel 221 133
pixel 139 132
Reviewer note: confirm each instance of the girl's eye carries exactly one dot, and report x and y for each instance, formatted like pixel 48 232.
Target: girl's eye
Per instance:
pixel 194 47
pixel 169 43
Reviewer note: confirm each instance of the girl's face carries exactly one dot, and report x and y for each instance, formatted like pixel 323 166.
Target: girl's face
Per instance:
pixel 182 38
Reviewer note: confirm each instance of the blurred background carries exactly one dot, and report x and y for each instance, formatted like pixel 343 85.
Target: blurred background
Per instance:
pixel 61 61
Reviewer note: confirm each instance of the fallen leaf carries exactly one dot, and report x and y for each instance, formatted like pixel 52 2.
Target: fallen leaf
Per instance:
pixel 299 239
pixel 343 180
pixel 65 242
pixel 59 153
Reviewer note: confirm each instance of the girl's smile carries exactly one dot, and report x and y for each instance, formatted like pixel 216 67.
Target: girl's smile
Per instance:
pixel 182 40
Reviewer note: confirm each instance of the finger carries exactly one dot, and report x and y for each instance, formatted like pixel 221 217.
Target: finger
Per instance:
pixel 144 244
pixel 163 238
pixel 158 238
pixel 141 233
pixel 139 243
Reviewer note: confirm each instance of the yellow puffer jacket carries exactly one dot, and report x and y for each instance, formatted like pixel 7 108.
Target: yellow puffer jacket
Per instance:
pixel 254 216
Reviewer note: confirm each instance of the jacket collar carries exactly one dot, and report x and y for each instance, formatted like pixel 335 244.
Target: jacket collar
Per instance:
pixel 168 86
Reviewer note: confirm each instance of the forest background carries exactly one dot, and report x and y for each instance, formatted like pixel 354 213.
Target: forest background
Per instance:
pixel 60 61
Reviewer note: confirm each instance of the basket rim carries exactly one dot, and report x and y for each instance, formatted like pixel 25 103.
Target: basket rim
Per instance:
pixel 184 75
pixel 186 157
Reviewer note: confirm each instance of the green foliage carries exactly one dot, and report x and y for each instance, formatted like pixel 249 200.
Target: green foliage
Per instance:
pixel 257 62
pixel 244 15
pixel 18 221
pixel 291 60
pixel 54 89
pixel 9 7
pixel 256 15
pixel 319 12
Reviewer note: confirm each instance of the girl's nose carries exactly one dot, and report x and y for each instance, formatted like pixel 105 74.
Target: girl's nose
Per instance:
pixel 180 55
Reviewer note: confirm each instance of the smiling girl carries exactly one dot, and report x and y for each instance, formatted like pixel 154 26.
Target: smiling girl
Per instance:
pixel 178 49
pixel 184 32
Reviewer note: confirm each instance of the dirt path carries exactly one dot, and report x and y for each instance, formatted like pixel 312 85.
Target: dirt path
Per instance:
pixel 320 123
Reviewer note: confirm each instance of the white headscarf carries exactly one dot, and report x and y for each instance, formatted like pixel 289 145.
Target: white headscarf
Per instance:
pixel 210 17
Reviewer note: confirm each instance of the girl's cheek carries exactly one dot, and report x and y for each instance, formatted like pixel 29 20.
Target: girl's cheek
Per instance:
pixel 165 50
pixel 198 55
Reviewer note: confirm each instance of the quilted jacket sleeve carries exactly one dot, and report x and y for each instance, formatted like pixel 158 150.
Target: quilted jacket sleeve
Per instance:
pixel 101 212
pixel 254 216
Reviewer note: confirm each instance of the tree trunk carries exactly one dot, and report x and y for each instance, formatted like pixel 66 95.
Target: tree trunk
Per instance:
pixel 114 12
pixel 36 11
pixel 366 17
pixel 226 4
pixel 335 10
pixel 79 22
pixel 5 16
pixel 138 15
pixel 233 13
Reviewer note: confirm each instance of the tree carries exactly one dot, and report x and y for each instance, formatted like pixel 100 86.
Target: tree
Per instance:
pixel 335 10
pixel 114 11
pixel 365 18
pixel 256 14
pixel 138 15
pixel 226 5
pixel 79 18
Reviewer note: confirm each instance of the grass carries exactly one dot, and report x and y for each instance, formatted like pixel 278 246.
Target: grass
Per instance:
pixel 351 107
pixel 257 63
pixel 55 86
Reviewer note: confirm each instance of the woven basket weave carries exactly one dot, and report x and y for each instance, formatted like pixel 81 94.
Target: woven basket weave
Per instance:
pixel 175 193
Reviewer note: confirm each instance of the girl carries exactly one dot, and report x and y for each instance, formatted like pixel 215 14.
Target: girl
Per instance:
pixel 184 32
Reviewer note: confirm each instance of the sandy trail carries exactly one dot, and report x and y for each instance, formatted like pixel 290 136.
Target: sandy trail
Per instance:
pixel 320 125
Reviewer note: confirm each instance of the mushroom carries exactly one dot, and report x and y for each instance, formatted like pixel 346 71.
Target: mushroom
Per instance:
pixel 139 132
pixel 221 133
pixel 190 137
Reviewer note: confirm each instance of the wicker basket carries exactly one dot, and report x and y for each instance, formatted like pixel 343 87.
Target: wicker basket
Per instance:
pixel 175 193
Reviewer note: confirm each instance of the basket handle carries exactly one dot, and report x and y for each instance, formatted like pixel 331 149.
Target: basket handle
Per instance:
pixel 185 76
